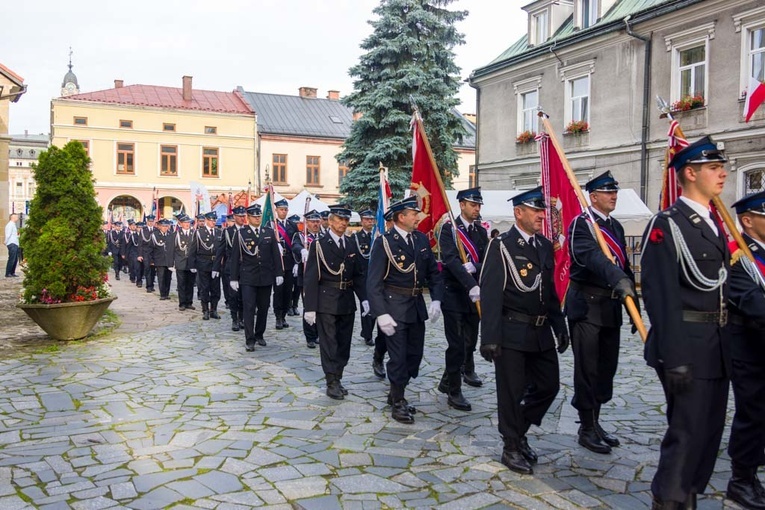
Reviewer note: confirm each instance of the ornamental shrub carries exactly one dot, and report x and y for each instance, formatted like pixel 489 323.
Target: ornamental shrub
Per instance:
pixel 62 238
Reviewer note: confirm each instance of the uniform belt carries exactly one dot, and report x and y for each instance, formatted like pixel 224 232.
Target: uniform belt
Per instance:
pixel 211 257
pixel 740 320
pixel 534 320
pixel 720 318
pixel 595 291
pixel 338 285
pixel 404 291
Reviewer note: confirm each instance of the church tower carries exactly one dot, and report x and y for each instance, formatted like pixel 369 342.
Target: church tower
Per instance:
pixel 69 86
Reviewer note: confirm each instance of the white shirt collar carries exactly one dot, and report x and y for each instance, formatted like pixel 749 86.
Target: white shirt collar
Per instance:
pixel 465 221
pixel 702 210
pixel 403 233
pixel 525 236
pixel 335 237
pixel 600 214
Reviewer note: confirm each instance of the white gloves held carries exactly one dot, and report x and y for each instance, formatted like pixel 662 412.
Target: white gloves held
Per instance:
pixel 234 285
pixel 215 274
pixel 193 270
pixel 304 254
pixel 386 324
pixel 171 268
pixel 295 270
pixel 469 267
pixel 434 312
pixel 364 308
pixel 475 294
pixel 310 318
pixel 279 280
pixel 281 250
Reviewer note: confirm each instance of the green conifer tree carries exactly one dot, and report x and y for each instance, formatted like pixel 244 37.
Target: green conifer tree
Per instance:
pixel 408 54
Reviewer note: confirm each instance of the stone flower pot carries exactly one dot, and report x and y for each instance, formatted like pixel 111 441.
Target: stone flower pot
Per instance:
pixel 67 321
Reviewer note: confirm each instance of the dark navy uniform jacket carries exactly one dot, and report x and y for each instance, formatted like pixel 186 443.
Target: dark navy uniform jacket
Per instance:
pixel 590 267
pixel 161 248
pixel 673 342
pixel 297 248
pixel 747 299
pixel 182 247
pixel 457 281
pixel 320 285
pixel 384 270
pixel 204 249
pixel 259 269
pixel 500 296
pixel 290 227
pixel 223 251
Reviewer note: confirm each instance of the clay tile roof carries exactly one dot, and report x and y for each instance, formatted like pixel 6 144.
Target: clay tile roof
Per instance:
pixel 11 75
pixel 169 97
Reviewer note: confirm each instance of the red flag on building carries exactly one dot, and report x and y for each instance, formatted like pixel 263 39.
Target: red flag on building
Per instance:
pixel 670 190
pixel 562 207
pixel 755 96
pixel 426 183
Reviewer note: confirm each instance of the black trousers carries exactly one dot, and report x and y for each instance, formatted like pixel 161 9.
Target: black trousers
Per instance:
pixel 381 345
pixel 255 301
pixel 596 356
pixel 461 331
pixel 311 332
pixel 405 349
pixel 367 323
pixel 527 383
pixel 297 290
pixel 185 287
pixel 234 299
pixel 209 288
pixel 688 452
pixel 225 279
pixel 747 434
pixel 150 273
pixel 164 279
pixel 336 332
pixel 116 262
pixel 283 293
pixel 136 269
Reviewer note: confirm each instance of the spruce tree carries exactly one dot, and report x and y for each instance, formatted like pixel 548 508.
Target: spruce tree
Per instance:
pixel 409 53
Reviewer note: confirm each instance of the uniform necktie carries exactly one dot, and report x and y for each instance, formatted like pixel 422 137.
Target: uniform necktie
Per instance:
pixel 531 242
pixel 340 244
pixel 409 241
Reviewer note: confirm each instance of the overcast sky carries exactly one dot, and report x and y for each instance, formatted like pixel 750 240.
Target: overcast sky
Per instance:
pixel 263 45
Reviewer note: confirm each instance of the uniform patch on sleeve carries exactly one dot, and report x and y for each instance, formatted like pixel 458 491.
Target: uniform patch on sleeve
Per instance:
pixel 656 236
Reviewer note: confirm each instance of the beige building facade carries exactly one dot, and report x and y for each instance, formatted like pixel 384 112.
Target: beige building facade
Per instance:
pixel 11 89
pixel 24 150
pixel 152 143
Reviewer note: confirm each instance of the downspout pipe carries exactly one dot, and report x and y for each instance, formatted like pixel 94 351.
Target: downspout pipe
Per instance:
pixel 645 131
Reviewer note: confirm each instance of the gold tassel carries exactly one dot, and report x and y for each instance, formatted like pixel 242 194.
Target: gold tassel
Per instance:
pixel 736 255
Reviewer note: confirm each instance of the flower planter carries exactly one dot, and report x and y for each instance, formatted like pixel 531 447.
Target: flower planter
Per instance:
pixel 67 321
pixel 692 120
pixel 525 149
pixel 576 140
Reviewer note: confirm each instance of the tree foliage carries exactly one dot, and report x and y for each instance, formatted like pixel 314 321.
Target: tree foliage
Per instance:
pixel 62 238
pixel 408 54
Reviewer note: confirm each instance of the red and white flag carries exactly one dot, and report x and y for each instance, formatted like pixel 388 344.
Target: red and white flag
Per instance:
pixel 562 208
pixel 755 96
pixel 426 184
pixel 670 190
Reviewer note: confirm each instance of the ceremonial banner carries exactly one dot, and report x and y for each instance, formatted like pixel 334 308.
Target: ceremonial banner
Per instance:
pixel 755 96
pixel 384 195
pixel 426 184
pixel 562 207
pixel 201 197
pixel 670 190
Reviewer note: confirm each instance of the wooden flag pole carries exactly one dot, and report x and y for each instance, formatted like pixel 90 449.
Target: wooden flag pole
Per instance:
pixel 629 303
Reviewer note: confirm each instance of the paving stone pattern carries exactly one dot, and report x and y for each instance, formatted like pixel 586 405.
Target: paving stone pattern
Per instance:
pixel 168 410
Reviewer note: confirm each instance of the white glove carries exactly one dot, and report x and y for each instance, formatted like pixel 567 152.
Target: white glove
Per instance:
pixel 475 294
pixel 234 285
pixel 434 312
pixel 469 267
pixel 193 270
pixel 140 259
pixel 215 274
pixel 295 270
pixel 281 250
pixel 364 308
pixel 310 318
pixel 304 254
pixel 110 254
pixel 171 269
pixel 279 280
pixel 386 324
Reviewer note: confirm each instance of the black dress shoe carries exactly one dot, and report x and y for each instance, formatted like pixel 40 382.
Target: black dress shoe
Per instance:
pixel 311 344
pixel 117 276
pixel 241 323
pixel 342 388
pixel 334 391
pixel 369 342
pixel 745 488
pixel 191 307
pixel 410 408
pixel 181 308
pixel 214 314
pixel 515 461
pixel 378 368
pixel 472 379
pixel 607 438
pixel 458 401
pixel 590 439
pixel 285 324
pixel 401 413
pixel 205 315
pixel 234 326
pixel 443 385
pixel 279 323
pixel 139 285
pixel 250 346
pixel 261 341
pixel 527 451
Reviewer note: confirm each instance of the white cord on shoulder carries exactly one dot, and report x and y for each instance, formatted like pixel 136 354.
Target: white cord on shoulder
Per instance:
pixel 697 279
pixel 514 272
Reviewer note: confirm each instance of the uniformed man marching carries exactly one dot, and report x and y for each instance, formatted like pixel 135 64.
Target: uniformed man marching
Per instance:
pixel 521 311
pixel 161 257
pixel 206 241
pixel 184 270
pixel 131 250
pixel 593 308
pixel 361 241
pixel 114 244
pixel 333 272
pixel 461 291
pixel 747 347
pixel 222 265
pixel 400 264
pixel 301 243
pixel 144 252
pixel 684 274
pixel 256 266
pixel 297 290
pixel 283 293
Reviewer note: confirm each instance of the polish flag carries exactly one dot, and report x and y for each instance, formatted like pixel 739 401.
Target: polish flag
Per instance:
pixel 754 98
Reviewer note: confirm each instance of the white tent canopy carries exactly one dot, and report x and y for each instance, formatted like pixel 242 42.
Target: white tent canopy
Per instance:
pixel 630 210
pixel 297 205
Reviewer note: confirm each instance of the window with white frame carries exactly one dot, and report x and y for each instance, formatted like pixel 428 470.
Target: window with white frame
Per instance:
pixel 754 181
pixel 751 25
pixel 527 104
pixel 588 12
pixel 690 67
pixel 577 80
pixel 541 27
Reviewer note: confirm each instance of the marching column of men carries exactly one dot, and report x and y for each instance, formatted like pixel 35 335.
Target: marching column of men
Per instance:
pixel 361 241
pixel 283 293
pixel 184 270
pixel 301 244
pixel 144 252
pixel 207 239
pixel 222 265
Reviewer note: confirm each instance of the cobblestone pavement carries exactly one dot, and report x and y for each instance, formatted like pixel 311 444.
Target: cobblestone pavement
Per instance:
pixel 167 410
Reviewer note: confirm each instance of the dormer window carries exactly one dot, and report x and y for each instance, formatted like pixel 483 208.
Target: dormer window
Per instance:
pixel 587 13
pixel 540 27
